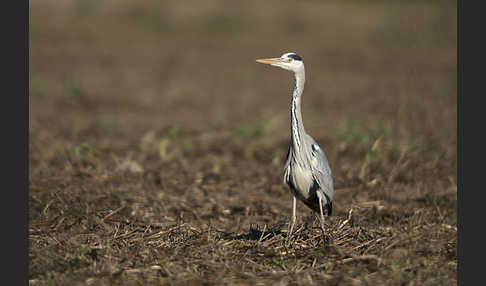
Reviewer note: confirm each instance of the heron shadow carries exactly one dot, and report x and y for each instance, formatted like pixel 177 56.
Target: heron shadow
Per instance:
pixel 258 234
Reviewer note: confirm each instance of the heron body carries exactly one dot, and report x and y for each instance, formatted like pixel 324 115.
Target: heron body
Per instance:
pixel 306 171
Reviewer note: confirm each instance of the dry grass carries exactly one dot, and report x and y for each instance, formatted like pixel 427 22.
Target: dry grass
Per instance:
pixel 157 143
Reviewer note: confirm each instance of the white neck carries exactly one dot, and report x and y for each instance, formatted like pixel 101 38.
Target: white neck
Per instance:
pixel 296 122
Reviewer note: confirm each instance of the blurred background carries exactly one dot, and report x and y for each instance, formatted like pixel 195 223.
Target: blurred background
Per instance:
pixel 132 66
pixel 151 124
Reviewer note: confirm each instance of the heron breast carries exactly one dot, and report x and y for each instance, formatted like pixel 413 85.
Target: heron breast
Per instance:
pixel 302 180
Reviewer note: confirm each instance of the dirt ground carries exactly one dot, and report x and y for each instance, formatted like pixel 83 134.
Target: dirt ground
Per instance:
pixel 157 142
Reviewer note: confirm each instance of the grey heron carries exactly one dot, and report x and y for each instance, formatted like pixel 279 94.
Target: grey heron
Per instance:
pixel 306 171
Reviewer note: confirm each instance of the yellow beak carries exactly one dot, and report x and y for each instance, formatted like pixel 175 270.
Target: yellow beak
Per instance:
pixel 269 61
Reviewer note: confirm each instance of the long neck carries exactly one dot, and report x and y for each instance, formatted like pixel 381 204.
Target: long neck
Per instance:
pixel 296 122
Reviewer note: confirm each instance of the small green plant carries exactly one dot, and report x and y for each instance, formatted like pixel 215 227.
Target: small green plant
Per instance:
pixel 355 131
pixel 368 157
pixel 72 89
pixel 174 142
pixel 174 131
pixel 417 146
pixel 109 123
pixel 85 149
pixel 283 263
pixel 175 135
pixel 247 131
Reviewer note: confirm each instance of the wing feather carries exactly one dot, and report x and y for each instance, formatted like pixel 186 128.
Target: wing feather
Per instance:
pixel 321 170
pixel 287 168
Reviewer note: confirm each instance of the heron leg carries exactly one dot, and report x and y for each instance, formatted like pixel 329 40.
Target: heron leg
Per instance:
pixel 292 223
pixel 322 213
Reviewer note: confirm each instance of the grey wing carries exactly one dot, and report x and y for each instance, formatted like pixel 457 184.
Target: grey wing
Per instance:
pixel 321 170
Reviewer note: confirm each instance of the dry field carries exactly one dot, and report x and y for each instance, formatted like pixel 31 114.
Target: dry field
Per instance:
pixel 157 142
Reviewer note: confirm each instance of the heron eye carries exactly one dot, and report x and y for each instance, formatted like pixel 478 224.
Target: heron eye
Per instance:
pixel 288 60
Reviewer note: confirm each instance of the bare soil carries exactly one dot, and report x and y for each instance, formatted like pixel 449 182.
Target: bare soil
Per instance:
pixel 157 142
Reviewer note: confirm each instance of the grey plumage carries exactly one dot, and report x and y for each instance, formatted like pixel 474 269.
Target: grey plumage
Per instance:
pixel 306 171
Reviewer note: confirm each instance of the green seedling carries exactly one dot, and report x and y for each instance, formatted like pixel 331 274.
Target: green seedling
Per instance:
pixel 109 123
pixel 174 138
pixel 174 131
pixel 72 90
pixel 247 131
pixel 368 157
pixel 84 149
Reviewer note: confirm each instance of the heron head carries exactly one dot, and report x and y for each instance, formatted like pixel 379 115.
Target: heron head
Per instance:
pixel 288 61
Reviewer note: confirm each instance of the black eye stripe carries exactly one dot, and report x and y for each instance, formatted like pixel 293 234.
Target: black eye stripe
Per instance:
pixel 295 57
